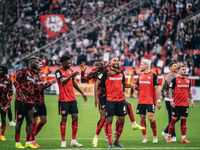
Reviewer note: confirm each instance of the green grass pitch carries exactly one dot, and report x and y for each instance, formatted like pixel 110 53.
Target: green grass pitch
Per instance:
pixel 49 137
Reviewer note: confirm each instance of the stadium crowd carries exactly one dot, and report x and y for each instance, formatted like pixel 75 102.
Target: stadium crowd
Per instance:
pixel 149 32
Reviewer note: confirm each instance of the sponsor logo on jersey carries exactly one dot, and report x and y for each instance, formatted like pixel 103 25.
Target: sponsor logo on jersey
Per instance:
pixel 145 82
pixel 3 85
pixel 178 85
pixel 30 79
pixel 111 78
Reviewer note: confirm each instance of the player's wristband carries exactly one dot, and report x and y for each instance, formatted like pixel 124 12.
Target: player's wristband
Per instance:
pixel 192 100
pixel 170 99
pixel 158 100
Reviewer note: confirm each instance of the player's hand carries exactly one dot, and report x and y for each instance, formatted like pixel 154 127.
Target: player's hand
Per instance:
pixel 52 81
pixel 172 104
pixel 96 101
pixel 133 86
pixel 83 68
pixel 23 98
pixel 192 104
pixel 74 73
pixel 165 77
pixel 84 97
pixel 7 106
pixel 111 73
pixel 158 105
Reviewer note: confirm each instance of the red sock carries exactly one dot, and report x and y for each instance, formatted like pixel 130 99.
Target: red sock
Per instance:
pixel 74 130
pixel 39 127
pixel 183 126
pixel 130 113
pixel 62 130
pixel 3 128
pixel 144 132
pixel 100 125
pixel 119 131
pixel 116 126
pixel 171 126
pixel 33 131
pixel 104 126
pixel 154 129
pixel 17 137
pixel 109 132
pixel 28 138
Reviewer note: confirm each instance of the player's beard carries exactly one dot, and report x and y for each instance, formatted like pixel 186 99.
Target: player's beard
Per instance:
pixel 115 66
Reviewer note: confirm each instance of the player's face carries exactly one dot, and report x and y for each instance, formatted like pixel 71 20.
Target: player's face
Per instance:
pixel 40 66
pixel 143 66
pixel 98 65
pixel 2 73
pixel 182 71
pixel 67 64
pixel 174 68
pixel 114 62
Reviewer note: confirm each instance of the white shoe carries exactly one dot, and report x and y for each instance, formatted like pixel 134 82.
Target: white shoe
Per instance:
pixel 164 134
pixel 173 139
pixel 75 143
pixel 0 124
pixel 63 144
pixel 12 123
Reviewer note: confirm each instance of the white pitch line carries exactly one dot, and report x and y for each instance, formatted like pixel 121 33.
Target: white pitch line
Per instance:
pixel 142 148
pixel 121 139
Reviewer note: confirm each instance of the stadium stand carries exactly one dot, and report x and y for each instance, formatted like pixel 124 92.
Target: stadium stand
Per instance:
pixel 156 30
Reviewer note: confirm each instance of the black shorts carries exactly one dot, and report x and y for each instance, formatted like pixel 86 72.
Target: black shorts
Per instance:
pixel 141 108
pixel 40 110
pixel 180 111
pixel 115 108
pixel 66 108
pixel 102 103
pixel 21 110
pixel 2 111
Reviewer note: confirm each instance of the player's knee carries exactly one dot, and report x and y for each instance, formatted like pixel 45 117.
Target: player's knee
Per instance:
pixel 75 119
pixel 121 121
pixel 151 119
pixel 19 122
pixel 142 118
pixel 128 103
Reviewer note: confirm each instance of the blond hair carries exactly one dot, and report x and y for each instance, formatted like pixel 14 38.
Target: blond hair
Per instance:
pixel 147 62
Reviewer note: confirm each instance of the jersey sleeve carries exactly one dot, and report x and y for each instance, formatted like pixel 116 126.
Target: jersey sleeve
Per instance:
pixel 102 77
pixel 84 78
pixel 155 80
pixel 137 82
pixel 58 74
pixel 123 80
pixel 173 83
pixel 10 91
pixel 19 79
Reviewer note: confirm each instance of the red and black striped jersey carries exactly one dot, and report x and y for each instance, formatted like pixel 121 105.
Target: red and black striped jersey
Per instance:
pixel 25 83
pixel 6 91
pixel 39 92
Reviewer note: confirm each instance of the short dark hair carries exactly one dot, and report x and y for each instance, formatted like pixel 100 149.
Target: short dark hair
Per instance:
pixel 171 64
pixel 65 58
pixel 181 66
pixel 4 68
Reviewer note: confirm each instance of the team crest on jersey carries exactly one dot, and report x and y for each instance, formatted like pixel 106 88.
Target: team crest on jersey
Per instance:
pixel 140 77
pixel 187 81
pixel 179 81
pixel 100 76
pixel 149 77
